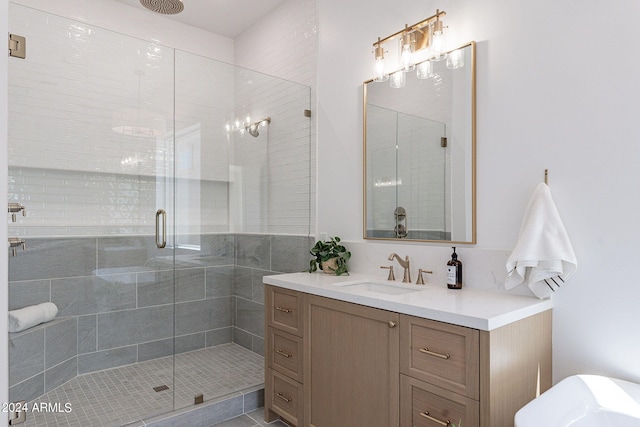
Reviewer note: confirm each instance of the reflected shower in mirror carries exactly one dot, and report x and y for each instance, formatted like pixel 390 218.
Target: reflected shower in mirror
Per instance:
pixel 419 149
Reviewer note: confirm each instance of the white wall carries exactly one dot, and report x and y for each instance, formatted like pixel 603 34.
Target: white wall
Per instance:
pixel 558 89
pixel 4 292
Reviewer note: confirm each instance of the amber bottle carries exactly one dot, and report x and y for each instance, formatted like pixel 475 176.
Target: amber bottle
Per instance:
pixel 454 272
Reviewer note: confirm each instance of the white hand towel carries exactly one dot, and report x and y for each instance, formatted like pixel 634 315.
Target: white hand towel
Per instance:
pixel 26 317
pixel 543 257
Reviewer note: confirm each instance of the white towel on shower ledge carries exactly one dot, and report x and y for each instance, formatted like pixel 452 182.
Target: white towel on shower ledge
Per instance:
pixel 33 315
pixel 543 257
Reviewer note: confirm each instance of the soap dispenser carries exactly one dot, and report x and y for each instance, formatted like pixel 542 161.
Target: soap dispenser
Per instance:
pixel 454 272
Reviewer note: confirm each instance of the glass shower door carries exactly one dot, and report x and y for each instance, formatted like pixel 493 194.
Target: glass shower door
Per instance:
pixel 412 201
pixel 423 183
pixel 242 167
pixel 91 157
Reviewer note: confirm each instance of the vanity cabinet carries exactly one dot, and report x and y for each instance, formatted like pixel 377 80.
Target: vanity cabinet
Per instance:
pixel 333 363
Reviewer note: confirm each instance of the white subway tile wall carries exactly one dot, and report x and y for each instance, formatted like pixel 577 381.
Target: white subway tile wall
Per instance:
pixel 88 99
pixel 91 136
pixel 273 169
pixel 284 44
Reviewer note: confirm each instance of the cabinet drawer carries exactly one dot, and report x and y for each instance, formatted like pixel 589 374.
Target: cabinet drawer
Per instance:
pixel 285 397
pixel 285 353
pixel 284 309
pixel 441 354
pixel 425 405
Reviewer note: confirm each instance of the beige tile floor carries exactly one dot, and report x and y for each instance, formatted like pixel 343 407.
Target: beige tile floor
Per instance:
pixel 119 396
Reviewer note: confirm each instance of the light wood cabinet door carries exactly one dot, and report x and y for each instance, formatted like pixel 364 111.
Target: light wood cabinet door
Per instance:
pixel 351 365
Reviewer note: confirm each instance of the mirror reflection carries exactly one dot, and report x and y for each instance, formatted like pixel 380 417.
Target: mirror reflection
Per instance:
pixel 419 148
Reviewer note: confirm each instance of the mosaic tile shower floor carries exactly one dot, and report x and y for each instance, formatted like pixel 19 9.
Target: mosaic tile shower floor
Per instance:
pixel 122 395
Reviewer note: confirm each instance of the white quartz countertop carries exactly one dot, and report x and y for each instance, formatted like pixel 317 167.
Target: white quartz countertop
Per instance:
pixel 483 310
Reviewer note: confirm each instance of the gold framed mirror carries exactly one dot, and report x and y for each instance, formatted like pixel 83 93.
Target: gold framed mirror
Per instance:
pixel 420 153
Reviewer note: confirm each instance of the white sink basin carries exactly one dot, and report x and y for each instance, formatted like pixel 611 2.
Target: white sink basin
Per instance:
pixel 383 288
pixel 584 401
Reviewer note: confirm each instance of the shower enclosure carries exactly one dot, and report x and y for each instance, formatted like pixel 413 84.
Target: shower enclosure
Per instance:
pixel 159 187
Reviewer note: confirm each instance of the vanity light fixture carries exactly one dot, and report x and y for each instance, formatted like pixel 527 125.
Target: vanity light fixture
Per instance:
pixel 419 44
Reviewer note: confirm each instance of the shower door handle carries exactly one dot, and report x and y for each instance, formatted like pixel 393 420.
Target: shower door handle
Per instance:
pixel 161 243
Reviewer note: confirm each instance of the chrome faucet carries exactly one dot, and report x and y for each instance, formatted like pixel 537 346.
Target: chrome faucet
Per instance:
pixel 404 264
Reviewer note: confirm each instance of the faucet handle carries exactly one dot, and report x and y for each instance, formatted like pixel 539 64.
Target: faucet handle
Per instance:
pixel 391 275
pixel 420 280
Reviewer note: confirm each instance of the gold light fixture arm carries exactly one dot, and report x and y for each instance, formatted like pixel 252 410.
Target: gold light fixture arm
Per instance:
pixel 418 26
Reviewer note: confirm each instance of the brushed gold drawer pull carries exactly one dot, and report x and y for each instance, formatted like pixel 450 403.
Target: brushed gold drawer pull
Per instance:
pixel 435 420
pixel 392 324
pixel 284 310
pixel 282 353
pixel 283 397
pixel 433 353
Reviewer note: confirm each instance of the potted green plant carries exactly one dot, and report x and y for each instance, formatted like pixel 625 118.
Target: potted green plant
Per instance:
pixel 330 257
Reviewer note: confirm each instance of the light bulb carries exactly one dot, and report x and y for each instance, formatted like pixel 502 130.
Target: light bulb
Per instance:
pixel 406 53
pixel 424 70
pixel 379 74
pixel 398 80
pixel 438 42
pixel 378 70
pixel 455 59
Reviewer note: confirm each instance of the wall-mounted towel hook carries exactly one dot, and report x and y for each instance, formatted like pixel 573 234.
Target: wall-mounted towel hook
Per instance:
pixel 546 176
